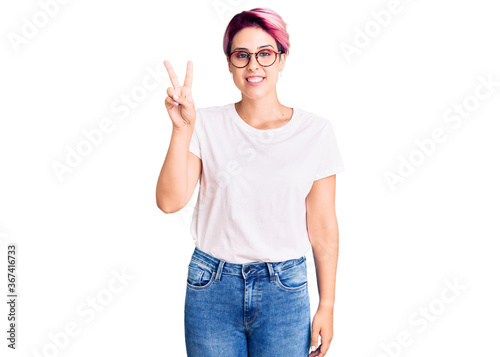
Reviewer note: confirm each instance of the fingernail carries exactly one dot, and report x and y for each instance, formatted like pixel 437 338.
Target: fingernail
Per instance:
pixel 176 103
pixel 313 348
pixel 176 96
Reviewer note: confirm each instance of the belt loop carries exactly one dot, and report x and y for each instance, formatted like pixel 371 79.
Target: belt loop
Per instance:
pixel 271 271
pixel 219 270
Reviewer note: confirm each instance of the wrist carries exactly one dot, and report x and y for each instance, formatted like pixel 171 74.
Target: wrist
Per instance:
pixel 187 129
pixel 326 305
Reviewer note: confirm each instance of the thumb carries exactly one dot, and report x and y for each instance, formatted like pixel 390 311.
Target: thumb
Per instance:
pixel 180 99
pixel 314 340
pixel 172 95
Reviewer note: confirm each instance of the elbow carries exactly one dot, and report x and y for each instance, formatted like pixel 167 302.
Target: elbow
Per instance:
pixel 167 207
pixel 170 202
pixel 164 207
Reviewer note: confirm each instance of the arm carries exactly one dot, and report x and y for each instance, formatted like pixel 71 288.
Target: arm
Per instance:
pixel 324 236
pixel 179 174
pixel 181 170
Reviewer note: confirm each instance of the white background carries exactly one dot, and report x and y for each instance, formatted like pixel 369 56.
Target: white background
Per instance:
pixel 398 247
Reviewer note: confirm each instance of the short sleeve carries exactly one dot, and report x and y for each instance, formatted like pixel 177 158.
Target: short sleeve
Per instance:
pixel 194 145
pixel 330 161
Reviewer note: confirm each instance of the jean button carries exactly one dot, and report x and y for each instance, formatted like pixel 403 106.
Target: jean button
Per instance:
pixel 247 269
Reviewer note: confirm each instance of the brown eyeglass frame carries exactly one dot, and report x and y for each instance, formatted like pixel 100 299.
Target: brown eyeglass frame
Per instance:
pixel 256 58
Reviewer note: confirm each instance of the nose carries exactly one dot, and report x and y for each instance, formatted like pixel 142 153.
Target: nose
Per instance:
pixel 253 61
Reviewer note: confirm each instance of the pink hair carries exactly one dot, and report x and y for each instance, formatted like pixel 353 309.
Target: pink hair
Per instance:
pixel 266 19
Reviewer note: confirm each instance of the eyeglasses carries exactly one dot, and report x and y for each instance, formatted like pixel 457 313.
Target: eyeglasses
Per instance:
pixel 265 57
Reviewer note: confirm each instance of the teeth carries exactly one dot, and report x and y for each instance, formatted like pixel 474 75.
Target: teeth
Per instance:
pixel 255 79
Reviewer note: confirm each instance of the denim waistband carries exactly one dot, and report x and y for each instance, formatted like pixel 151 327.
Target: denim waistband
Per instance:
pixel 245 269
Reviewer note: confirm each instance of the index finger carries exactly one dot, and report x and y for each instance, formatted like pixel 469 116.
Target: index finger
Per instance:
pixel 171 74
pixel 189 75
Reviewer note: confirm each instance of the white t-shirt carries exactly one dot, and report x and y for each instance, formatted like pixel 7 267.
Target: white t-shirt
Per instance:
pixel 251 205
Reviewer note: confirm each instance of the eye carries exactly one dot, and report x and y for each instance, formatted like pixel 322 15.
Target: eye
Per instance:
pixel 265 53
pixel 241 54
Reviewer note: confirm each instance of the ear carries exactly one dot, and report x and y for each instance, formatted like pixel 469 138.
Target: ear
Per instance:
pixel 282 61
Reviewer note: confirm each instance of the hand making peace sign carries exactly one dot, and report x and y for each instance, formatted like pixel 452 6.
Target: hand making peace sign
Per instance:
pixel 179 103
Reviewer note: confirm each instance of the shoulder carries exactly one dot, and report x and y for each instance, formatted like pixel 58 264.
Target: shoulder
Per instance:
pixel 211 116
pixel 312 120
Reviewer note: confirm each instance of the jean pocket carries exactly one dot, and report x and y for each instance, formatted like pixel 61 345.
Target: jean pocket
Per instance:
pixel 293 278
pixel 200 276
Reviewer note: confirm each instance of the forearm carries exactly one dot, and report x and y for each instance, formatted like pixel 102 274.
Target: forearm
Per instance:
pixel 325 251
pixel 171 189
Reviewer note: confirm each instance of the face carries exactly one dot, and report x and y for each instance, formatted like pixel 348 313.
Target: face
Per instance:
pixel 252 40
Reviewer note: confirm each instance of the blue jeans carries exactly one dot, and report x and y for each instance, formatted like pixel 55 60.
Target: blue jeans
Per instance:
pixel 254 309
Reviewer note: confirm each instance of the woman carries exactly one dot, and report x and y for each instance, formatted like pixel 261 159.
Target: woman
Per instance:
pixel 267 195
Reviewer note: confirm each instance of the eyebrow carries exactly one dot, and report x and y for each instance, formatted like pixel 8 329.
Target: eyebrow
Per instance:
pixel 242 48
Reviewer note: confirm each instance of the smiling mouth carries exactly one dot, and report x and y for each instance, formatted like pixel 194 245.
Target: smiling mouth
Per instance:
pixel 255 79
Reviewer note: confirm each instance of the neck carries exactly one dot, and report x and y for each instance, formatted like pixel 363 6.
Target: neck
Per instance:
pixel 262 112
